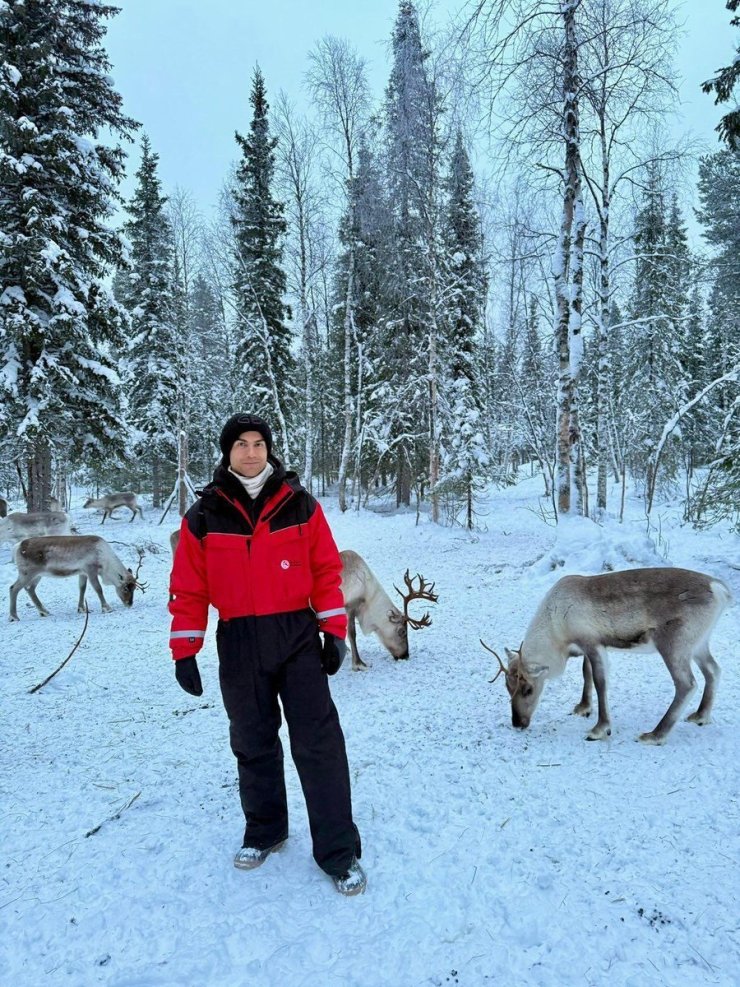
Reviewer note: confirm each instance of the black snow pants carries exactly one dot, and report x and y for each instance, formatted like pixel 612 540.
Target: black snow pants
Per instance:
pixel 261 659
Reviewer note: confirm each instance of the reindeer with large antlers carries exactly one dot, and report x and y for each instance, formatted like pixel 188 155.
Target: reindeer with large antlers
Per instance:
pixel 366 600
pixel 87 556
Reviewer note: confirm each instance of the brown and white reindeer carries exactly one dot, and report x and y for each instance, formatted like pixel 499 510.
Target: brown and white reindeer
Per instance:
pixel 18 525
pixel 367 601
pixel 671 611
pixel 86 556
pixel 108 503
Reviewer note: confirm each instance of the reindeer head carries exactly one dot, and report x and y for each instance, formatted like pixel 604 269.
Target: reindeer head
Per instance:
pixel 129 581
pixel 524 683
pixel 402 621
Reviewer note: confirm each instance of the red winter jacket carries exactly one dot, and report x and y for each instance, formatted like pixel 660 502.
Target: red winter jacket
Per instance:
pixel 283 560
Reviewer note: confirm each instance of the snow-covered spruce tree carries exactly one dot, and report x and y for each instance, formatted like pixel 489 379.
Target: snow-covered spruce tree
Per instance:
pixel 154 375
pixel 364 235
pixel 719 179
pixel 211 369
pixel 535 389
pixel 464 457
pixel 723 85
pixel 265 366
pixel 411 162
pixel 657 383
pixel 60 329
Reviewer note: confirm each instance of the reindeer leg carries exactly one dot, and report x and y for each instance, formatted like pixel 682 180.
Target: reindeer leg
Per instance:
pixel 83 587
pixel 603 727
pixel 105 514
pixel 711 672
pixel 357 662
pixel 133 515
pixel 14 591
pixel 671 648
pixel 31 590
pixel 584 706
pixel 95 583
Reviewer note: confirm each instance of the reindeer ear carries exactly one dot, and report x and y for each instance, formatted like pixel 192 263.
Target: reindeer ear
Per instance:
pixel 536 671
pixel 511 655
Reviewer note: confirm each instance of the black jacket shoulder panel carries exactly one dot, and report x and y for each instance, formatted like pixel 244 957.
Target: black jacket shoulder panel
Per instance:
pixel 212 512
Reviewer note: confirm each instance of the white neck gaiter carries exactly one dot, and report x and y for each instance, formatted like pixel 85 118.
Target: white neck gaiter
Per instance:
pixel 253 484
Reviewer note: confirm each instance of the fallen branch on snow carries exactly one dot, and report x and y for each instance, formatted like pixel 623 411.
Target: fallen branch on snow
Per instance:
pixel 116 815
pixel 77 644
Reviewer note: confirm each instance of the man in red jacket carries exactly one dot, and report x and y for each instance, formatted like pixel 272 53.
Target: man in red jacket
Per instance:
pixel 257 547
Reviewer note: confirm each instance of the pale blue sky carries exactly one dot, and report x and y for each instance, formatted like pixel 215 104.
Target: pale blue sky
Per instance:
pixel 184 68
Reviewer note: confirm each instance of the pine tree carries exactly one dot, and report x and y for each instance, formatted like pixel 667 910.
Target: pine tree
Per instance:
pixel 724 84
pixel 409 328
pixel 719 179
pixel 465 458
pixel 651 368
pixel 60 328
pixel 265 364
pixel 212 365
pixel 365 228
pixel 156 365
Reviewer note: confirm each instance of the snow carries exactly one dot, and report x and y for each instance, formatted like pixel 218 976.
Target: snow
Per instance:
pixel 493 856
pixel 11 72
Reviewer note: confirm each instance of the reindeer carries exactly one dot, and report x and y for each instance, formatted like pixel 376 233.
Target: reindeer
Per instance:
pixel 671 611
pixel 365 598
pixel 87 556
pixel 110 502
pixel 18 525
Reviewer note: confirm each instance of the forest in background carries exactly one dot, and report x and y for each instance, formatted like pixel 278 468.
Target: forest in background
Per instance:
pixel 487 267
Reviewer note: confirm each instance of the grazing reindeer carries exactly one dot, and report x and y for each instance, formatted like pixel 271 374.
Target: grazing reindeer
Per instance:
pixel 110 502
pixel 18 525
pixel 3 507
pixel 672 611
pixel 365 599
pixel 87 556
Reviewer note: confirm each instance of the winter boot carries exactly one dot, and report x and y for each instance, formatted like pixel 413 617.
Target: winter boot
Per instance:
pixel 250 857
pixel 353 881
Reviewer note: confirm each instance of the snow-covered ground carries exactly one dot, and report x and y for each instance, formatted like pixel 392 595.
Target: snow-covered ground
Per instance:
pixel 493 856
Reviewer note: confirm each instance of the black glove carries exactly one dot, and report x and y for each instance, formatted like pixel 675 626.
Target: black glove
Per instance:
pixel 332 654
pixel 187 674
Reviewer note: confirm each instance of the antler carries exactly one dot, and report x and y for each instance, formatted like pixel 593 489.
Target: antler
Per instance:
pixel 142 586
pixel 502 667
pixel 424 591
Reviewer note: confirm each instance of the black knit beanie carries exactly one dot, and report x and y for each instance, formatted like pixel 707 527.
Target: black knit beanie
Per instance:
pixel 243 423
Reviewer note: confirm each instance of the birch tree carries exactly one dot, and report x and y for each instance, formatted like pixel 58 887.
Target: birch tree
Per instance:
pixel 337 79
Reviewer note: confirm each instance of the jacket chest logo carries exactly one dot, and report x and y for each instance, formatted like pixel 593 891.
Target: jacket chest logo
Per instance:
pixel 285 564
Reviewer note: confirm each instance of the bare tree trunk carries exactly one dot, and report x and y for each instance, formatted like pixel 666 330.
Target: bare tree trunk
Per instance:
pixel 156 481
pixel 60 483
pixel 182 469
pixel 562 257
pixel 359 429
pixel 349 323
pixel 603 369
pixel 433 428
pixel 39 477
pixel 403 477
pixel 577 456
